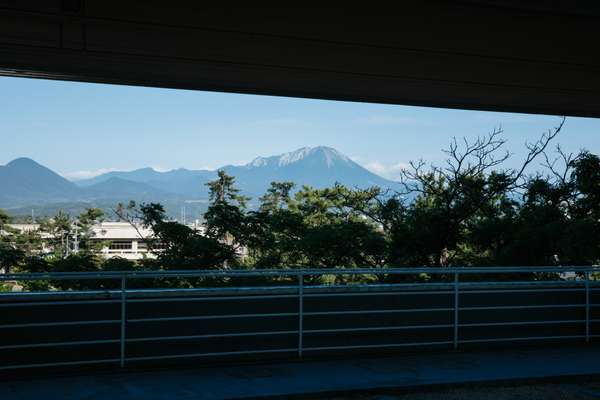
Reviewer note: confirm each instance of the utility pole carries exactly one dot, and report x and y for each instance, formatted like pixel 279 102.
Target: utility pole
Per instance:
pixel 76 241
pixel 64 235
pixel 182 218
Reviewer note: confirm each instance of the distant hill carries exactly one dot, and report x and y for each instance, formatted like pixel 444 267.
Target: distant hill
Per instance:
pixel 125 189
pixel 182 181
pixel 315 166
pixel 27 183
pixel 24 181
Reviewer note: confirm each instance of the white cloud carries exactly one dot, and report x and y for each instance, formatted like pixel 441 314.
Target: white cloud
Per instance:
pixel 86 174
pixel 389 171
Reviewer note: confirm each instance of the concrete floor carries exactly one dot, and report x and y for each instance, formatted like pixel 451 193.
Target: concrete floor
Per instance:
pixel 583 389
pixel 334 376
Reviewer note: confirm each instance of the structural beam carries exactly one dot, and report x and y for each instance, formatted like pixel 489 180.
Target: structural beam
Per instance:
pixel 486 55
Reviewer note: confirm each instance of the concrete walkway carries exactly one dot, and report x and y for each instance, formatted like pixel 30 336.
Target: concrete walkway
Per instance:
pixel 295 378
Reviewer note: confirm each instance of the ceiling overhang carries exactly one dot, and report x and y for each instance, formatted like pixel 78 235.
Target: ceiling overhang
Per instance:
pixel 487 55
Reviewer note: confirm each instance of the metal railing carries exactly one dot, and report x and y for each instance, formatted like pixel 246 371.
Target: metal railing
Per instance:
pixel 308 305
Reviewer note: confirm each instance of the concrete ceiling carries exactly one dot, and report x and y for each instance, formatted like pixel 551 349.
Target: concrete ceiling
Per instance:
pixel 541 57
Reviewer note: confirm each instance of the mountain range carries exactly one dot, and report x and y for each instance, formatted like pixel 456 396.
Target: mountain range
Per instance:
pixel 25 183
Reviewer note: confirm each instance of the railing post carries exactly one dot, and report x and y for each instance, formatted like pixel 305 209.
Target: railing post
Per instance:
pixel 587 306
pixel 456 305
pixel 123 318
pixel 300 313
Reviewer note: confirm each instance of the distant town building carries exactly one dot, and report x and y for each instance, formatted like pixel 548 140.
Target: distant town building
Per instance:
pixel 121 239
pixel 117 239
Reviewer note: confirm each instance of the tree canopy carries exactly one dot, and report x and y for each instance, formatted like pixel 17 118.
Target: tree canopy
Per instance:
pixel 470 211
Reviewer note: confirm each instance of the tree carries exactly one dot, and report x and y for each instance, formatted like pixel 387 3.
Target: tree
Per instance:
pixel 586 179
pixel 225 217
pixel 468 188
pixel 176 245
pixel 557 222
pixel 273 231
pixel 83 231
pixel 4 218
pixel 10 257
pixel 59 232
pixel 14 245
pixel 316 228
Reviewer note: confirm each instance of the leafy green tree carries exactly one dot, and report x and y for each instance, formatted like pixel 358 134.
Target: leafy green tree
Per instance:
pixel 10 257
pixel 59 230
pixel 448 199
pixel 557 222
pixel 77 263
pixel 4 218
pixel 273 231
pixel 585 176
pixel 225 217
pixel 182 247
pixel 316 228
pixel 84 233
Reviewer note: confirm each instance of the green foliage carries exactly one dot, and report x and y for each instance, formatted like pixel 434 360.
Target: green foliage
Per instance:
pixel 225 216
pixel 118 264
pixel 471 211
pixel 77 263
pixel 58 229
pixel 4 218
pixel 10 256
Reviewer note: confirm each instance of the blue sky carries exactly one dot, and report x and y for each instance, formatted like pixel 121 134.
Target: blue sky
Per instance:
pixel 81 129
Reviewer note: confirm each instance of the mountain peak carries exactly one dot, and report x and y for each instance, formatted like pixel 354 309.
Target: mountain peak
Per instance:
pixel 24 181
pixel 23 162
pixel 328 155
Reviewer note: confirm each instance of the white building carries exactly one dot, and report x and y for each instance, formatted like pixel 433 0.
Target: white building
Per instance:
pixel 123 240
pixel 118 239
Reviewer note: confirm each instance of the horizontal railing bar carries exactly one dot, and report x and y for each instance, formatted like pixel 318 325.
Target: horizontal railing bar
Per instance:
pixel 216 298
pixel 203 317
pixel 357 288
pixel 532 290
pixel 57 344
pixel 210 336
pixel 442 292
pixel 217 354
pixel 391 311
pixel 378 328
pixel 353 286
pixel 63 323
pixel 377 346
pixel 73 293
pixel 412 293
pixel 516 323
pixel 61 302
pixel 542 306
pixel 517 339
pixel 288 272
pixel 319 290
pixel 410 310
pixel 409 327
pixel 59 364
